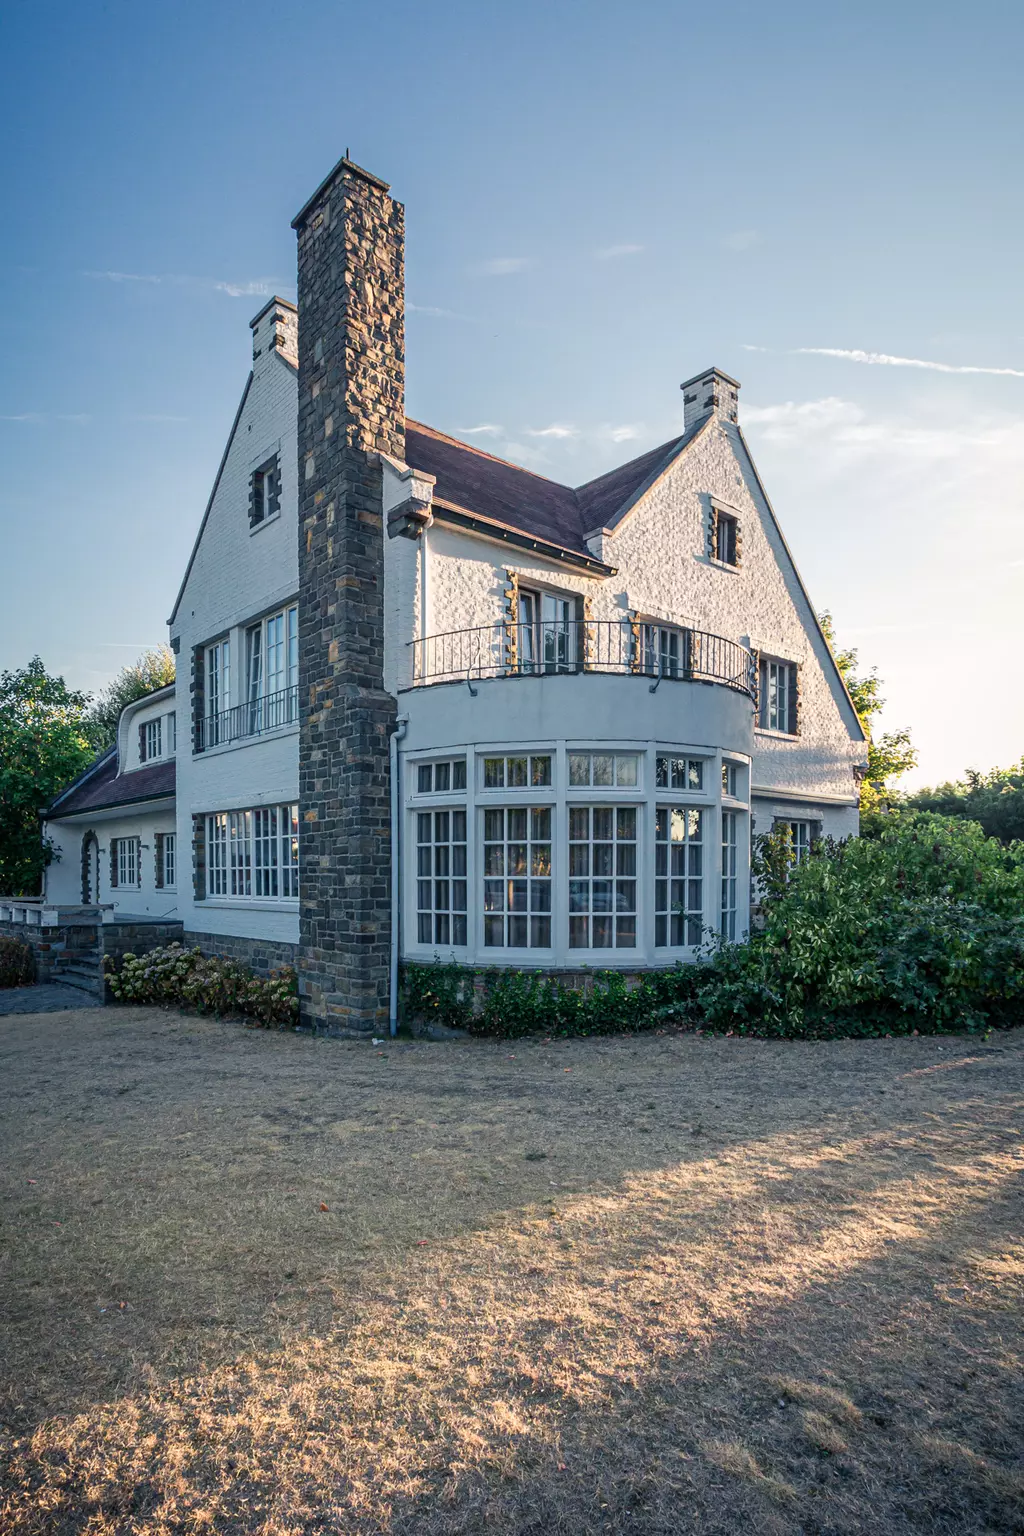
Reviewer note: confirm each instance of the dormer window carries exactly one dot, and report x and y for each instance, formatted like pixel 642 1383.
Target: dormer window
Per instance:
pixel 265 491
pixel 151 740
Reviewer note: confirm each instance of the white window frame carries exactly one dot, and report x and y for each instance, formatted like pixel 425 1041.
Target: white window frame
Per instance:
pixel 526 771
pixel 547 630
pixel 272 657
pixel 442 877
pixel 169 855
pixel 172 733
pixel 252 855
pixel 589 882
pixel 599 775
pixel 680 773
pixel 444 776
pixel 218 690
pixel 803 833
pixel 662 650
pixel 729 907
pixel 675 877
pixel 152 736
pixel 733 524
pixel 777 685
pixel 503 888
pixel 128 851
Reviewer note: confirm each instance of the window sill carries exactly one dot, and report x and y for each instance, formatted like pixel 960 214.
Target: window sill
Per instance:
pixel 275 517
pixel 723 565
pixel 251 904
pixel 765 730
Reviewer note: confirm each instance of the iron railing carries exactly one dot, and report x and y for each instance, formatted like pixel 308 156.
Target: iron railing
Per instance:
pixel 583 645
pixel 252 719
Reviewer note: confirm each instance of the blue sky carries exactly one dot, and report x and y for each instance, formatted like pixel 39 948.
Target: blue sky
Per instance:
pixel 601 200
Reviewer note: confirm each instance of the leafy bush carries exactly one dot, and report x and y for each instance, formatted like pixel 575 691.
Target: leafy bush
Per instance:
pixel 920 928
pixel 995 800
pixel 17 964
pixel 209 984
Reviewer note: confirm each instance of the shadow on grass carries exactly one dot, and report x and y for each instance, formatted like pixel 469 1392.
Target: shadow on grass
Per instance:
pixel 799 1328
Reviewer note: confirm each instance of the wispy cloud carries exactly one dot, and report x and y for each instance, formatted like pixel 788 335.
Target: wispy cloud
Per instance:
pixel 154 416
pixel 485 429
pixel 40 416
pixel 556 429
pixel 260 287
pixel 885 359
pixel 610 252
pixel 748 346
pixel 742 239
pixel 623 434
pixel 437 312
pixel 501 266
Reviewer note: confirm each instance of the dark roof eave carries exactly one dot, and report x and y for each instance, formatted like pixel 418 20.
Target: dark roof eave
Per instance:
pixel 111 805
pixel 461 517
pixel 87 773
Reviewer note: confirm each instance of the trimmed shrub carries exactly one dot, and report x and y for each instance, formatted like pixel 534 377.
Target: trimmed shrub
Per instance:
pixel 17 964
pixel 209 984
pixel 919 928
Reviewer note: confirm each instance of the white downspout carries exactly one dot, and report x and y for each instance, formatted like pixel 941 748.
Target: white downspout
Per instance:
pixel 396 872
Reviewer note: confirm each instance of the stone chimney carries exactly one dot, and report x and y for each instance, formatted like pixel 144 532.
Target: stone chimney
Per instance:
pixel 351 256
pixel 275 328
pixel 711 393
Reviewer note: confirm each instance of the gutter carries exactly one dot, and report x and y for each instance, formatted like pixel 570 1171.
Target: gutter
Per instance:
pixel 488 528
pixel 396 905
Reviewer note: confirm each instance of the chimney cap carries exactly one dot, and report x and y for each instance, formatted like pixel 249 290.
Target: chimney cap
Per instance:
pixel 273 303
pixel 344 164
pixel 705 373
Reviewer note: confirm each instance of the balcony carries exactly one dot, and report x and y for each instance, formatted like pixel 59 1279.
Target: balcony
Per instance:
pixel 245 720
pixel 629 646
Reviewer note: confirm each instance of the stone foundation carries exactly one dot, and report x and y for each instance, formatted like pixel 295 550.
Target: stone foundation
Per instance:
pixel 73 953
pixel 260 955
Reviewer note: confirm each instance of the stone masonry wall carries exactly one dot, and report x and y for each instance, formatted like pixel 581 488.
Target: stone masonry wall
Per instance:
pixel 351 407
pixel 260 955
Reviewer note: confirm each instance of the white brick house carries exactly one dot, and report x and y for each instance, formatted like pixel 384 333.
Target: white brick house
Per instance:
pixel 596 693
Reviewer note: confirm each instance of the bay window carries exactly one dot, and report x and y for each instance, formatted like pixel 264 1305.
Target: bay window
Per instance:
pixel 602 877
pixel 678 876
pixel 441 887
pixel 517 877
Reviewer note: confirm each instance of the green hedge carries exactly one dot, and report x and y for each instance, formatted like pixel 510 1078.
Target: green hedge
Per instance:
pixel 17 964
pixel 920 928
pixel 209 984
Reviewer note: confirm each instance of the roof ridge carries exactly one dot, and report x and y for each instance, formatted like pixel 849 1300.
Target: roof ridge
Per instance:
pixel 483 454
pixel 665 447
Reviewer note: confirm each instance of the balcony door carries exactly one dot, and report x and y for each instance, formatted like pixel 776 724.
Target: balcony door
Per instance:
pixel 546 633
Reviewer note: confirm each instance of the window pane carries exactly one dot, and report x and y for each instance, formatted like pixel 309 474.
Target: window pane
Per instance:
pixel 626 772
pixel 494 773
pixel 516 772
pixel 604 770
pixel 678 902
pixel 540 771
pixel 459 773
pixel 510 904
pixel 579 768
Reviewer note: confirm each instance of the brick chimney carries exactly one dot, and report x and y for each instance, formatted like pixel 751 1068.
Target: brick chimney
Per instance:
pixel 711 393
pixel 351 408
pixel 275 328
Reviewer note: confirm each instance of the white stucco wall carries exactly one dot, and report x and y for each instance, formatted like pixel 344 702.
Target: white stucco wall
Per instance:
pixel 663 571
pixel 236 576
pixel 64 877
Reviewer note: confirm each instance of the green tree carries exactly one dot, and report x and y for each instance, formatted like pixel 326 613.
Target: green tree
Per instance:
pixel 154 669
pixel 890 755
pixel 995 800
pixel 44 745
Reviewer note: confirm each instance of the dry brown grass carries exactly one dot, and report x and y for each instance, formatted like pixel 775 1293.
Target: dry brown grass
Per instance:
pixel 656 1285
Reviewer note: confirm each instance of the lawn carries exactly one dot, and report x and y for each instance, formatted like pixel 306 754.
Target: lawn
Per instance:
pixel 261 1283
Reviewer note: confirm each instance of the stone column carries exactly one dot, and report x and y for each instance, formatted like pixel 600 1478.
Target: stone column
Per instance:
pixel 351 407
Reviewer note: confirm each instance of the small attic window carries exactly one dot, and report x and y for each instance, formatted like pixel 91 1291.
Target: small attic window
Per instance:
pixel 265 492
pixel 727 539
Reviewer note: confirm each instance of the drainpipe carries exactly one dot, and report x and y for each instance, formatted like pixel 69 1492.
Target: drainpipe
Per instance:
pixel 396 894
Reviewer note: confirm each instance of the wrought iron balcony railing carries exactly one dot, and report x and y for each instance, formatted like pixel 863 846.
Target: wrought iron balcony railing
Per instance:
pixel 584 645
pixel 252 719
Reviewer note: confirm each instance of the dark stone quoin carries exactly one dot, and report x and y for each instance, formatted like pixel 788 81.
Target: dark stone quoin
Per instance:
pixel 351 291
